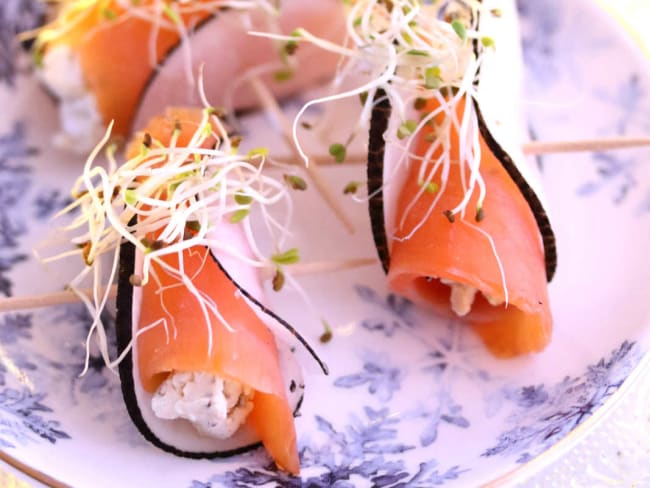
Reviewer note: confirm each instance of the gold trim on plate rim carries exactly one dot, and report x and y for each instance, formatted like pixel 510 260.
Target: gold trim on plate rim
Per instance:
pixel 535 466
pixel 33 473
pixel 640 372
pixel 540 462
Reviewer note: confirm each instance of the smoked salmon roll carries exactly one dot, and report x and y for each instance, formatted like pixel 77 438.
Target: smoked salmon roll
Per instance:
pixel 217 372
pixel 206 368
pixel 457 215
pixel 486 266
pixel 121 60
pixel 456 212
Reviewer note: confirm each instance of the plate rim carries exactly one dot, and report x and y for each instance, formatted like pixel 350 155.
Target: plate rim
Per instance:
pixel 636 376
pixel 536 465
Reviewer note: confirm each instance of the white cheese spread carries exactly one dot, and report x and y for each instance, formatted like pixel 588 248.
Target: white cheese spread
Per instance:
pixel 462 297
pixel 82 124
pixel 215 406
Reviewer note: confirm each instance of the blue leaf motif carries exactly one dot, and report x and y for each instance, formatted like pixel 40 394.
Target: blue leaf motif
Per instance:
pixel 430 432
pixel 326 427
pixel 24 405
pixel 588 189
pixel 351 381
pixel 48 202
pixel 364 450
pixel 543 415
pixel 14 327
pixel 368 294
pixel 458 421
pixel 397 310
pixel 382 380
pixel 16 16
pixel 531 396
pixel 14 182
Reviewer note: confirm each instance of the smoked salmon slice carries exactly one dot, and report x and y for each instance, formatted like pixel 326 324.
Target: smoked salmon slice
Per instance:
pixel 132 59
pixel 459 253
pixel 114 51
pixel 247 353
pixel 244 349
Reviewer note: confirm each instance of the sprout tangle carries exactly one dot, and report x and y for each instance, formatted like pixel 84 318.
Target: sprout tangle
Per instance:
pixel 166 200
pixel 411 51
pixel 180 16
pixel 425 59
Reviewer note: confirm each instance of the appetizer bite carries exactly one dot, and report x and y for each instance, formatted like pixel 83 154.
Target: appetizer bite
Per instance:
pixel 456 213
pixel 120 60
pixel 203 369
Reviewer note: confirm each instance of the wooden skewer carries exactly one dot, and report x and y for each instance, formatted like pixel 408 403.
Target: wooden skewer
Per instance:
pixel 46 300
pixel 531 148
pixel 323 159
pixel 587 145
pixel 316 267
pixel 269 103
pixel 66 297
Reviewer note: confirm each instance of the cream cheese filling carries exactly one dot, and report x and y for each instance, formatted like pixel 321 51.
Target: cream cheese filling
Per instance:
pixel 462 297
pixel 215 406
pixel 82 126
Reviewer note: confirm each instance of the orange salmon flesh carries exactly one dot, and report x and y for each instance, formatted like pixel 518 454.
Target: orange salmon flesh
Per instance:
pixel 458 252
pixel 247 353
pixel 115 53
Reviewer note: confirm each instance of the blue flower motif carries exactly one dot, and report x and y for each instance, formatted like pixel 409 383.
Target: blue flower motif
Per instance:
pixel 14 327
pixel 539 39
pixel 20 411
pixel 48 202
pixel 556 410
pixel 382 379
pixel 97 378
pixel 15 362
pixel 398 311
pixel 16 16
pixel 442 409
pixel 14 182
pixel 626 101
pixel 366 449
pixel 6 264
pixel 612 171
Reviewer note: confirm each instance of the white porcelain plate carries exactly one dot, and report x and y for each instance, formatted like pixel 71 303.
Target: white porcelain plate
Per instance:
pixel 411 400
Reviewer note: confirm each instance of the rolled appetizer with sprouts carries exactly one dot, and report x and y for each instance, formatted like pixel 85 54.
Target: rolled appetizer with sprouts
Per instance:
pixel 120 60
pixel 456 211
pixel 203 369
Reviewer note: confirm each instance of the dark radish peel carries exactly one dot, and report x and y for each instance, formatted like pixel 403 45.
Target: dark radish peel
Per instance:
pixel 377 183
pixel 204 372
pixel 159 50
pixel 462 216
pixel 531 196
pixel 375 173
pixel 178 436
pixel 238 52
pixel 536 206
pixel 271 314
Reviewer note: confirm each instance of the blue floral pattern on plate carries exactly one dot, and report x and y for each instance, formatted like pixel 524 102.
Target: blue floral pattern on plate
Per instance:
pixel 14 181
pixel 624 100
pixel 16 16
pixel 555 410
pixel 23 411
pixel 413 400
pixel 366 449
